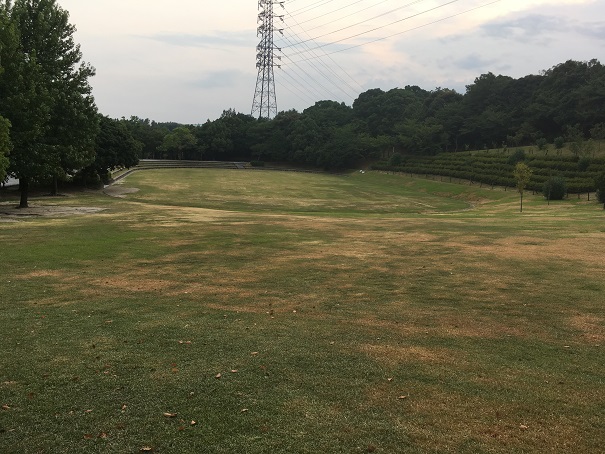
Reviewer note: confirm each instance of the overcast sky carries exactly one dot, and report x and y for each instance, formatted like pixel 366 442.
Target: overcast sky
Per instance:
pixel 188 60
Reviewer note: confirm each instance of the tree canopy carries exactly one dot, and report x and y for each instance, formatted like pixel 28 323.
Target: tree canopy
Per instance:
pixel 44 93
pixel 495 111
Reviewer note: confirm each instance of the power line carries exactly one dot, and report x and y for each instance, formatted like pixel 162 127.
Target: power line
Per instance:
pixel 375 17
pixel 399 33
pixel 330 69
pixel 384 26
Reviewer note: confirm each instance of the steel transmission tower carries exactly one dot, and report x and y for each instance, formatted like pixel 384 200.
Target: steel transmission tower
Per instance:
pixel 265 103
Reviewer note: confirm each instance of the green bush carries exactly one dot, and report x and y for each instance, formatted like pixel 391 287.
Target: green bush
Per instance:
pixel 542 143
pixel 559 142
pixel 555 188
pixel 583 164
pixel 516 157
pixel 396 160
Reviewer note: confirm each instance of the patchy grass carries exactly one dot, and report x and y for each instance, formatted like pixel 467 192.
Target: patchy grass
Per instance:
pixel 342 314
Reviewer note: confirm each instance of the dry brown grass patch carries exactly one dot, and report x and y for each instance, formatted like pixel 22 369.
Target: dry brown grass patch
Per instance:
pixel 589 250
pixel 591 327
pixel 392 355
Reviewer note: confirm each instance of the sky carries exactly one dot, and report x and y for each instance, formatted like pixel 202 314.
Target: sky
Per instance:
pixel 189 60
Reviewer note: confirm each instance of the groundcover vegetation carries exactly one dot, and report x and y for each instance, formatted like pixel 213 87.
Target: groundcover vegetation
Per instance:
pixel 237 311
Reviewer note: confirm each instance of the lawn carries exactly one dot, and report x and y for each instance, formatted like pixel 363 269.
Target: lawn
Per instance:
pixel 224 311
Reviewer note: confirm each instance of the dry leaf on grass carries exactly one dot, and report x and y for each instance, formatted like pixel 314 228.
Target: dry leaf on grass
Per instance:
pixel 170 415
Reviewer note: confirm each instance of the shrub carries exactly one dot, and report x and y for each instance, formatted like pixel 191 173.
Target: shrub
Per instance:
pixel 583 164
pixel 555 188
pixel 516 157
pixel 396 160
pixel 542 143
pixel 559 142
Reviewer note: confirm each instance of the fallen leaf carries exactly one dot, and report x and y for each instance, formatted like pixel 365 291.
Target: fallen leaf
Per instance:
pixel 402 397
pixel 218 375
pixel 234 371
pixel 390 379
pixel 254 353
pixel 192 423
pixel 102 435
pixel 170 415
pixel 5 407
pixel 523 427
pixel 87 411
pixel 244 410
pixel 146 449
pixel 88 437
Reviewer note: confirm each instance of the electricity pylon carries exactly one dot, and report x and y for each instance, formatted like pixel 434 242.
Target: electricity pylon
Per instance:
pixel 265 102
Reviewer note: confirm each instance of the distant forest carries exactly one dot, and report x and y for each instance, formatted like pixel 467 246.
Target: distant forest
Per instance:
pixel 566 102
pixel 51 130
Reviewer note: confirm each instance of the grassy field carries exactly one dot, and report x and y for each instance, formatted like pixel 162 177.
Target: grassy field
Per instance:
pixel 257 312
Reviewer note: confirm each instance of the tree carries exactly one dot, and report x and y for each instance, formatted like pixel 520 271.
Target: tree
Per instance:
pixel 177 142
pixel 542 144
pixel 522 174
pixel 5 146
pixel 24 101
pixel 45 93
pixel 554 188
pixel 114 147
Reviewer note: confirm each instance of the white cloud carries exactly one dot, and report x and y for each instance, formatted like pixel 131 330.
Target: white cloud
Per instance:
pixel 187 61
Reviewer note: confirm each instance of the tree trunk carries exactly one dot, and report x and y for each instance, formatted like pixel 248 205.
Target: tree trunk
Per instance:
pixel 521 209
pixel 24 187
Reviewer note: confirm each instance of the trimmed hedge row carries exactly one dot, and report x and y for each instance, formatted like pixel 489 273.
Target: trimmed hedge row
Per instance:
pixel 495 169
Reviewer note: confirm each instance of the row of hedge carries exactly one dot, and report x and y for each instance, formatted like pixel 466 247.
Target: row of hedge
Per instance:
pixel 496 170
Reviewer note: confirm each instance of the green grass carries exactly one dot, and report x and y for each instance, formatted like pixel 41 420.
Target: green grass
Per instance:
pixel 331 296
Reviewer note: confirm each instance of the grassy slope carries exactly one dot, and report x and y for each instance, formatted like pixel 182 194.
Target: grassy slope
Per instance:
pixel 332 298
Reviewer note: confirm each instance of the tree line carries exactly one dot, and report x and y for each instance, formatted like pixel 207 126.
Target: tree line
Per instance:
pixel 51 130
pixel 565 104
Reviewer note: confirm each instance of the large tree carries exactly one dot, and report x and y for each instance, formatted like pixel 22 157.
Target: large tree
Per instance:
pixel 177 142
pixel 45 93
pixel 115 147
